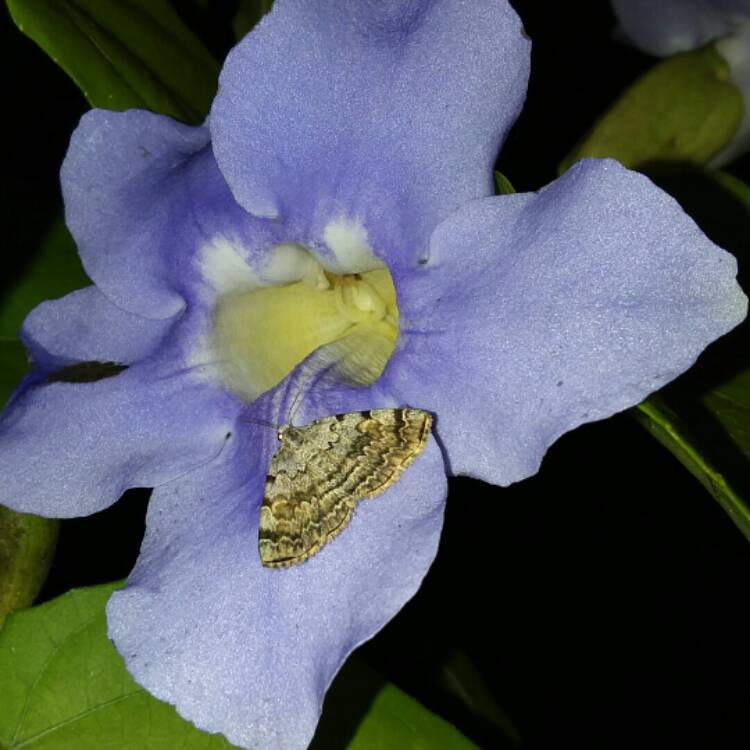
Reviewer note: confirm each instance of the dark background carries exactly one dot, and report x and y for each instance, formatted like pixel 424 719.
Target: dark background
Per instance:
pixel 604 601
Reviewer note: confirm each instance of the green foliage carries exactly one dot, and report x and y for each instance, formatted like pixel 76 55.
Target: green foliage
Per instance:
pixel 685 108
pixel 690 444
pixel 13 365
pixel 502 185
pixel 364 712
pixel 27 544
pixel 124 53
pixel 459 677
pixel 704 417
pixel 64 687
pixel 249 12
pixel 677 116
pixel 121 53
pixel 52 271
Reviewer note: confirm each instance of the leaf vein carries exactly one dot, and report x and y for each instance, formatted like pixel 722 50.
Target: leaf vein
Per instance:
pixel 56 647
pixel 76 717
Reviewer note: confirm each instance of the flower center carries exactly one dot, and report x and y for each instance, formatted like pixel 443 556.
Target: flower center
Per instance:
pixel 260 334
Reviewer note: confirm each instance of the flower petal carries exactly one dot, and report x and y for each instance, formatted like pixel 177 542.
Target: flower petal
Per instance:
pixel 539 312
pixel 85 326
pixel 392 114
pixel 142 195
pixel 250 651
pixel 669 26
pixel 70 449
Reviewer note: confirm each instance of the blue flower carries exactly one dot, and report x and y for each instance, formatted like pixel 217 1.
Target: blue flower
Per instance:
pixel 671 26
pixel 337 210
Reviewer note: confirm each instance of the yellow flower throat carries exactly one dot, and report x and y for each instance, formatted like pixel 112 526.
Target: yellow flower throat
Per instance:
pixel 261 334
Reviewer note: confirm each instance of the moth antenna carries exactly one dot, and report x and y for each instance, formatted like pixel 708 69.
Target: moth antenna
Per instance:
pixel 307 376
pixel 309 387
pixel 293 406
pixel 262 422
pixel 192 368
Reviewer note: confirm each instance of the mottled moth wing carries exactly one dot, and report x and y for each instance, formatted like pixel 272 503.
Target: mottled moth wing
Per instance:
pixel 322 470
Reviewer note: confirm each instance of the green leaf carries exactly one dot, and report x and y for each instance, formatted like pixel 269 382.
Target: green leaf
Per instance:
pixel 363 711
pixel 27 542
pixel 27 545
pixel 459 676
pixel 703 418
pixel 249 12
pixel 124 53
pixel 690 444
pixel 13 365
pixel 52 271
pixel 64 687
pixel 685 108
pixel 730 404
pixel 678 115
pixel 502 185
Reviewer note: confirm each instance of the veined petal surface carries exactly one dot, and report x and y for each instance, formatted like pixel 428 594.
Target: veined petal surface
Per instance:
pixel 539 312
pixel 142 195
pixel 72 448
pixel 85 326
pixel 250 651
pixel 391 113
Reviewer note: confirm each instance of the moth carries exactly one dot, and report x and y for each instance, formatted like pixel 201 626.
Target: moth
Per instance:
pixel 322 470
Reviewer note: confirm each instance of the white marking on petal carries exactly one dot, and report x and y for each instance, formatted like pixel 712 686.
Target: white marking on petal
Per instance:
pixel 224 267
pixel 224 270
pixel 347 240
